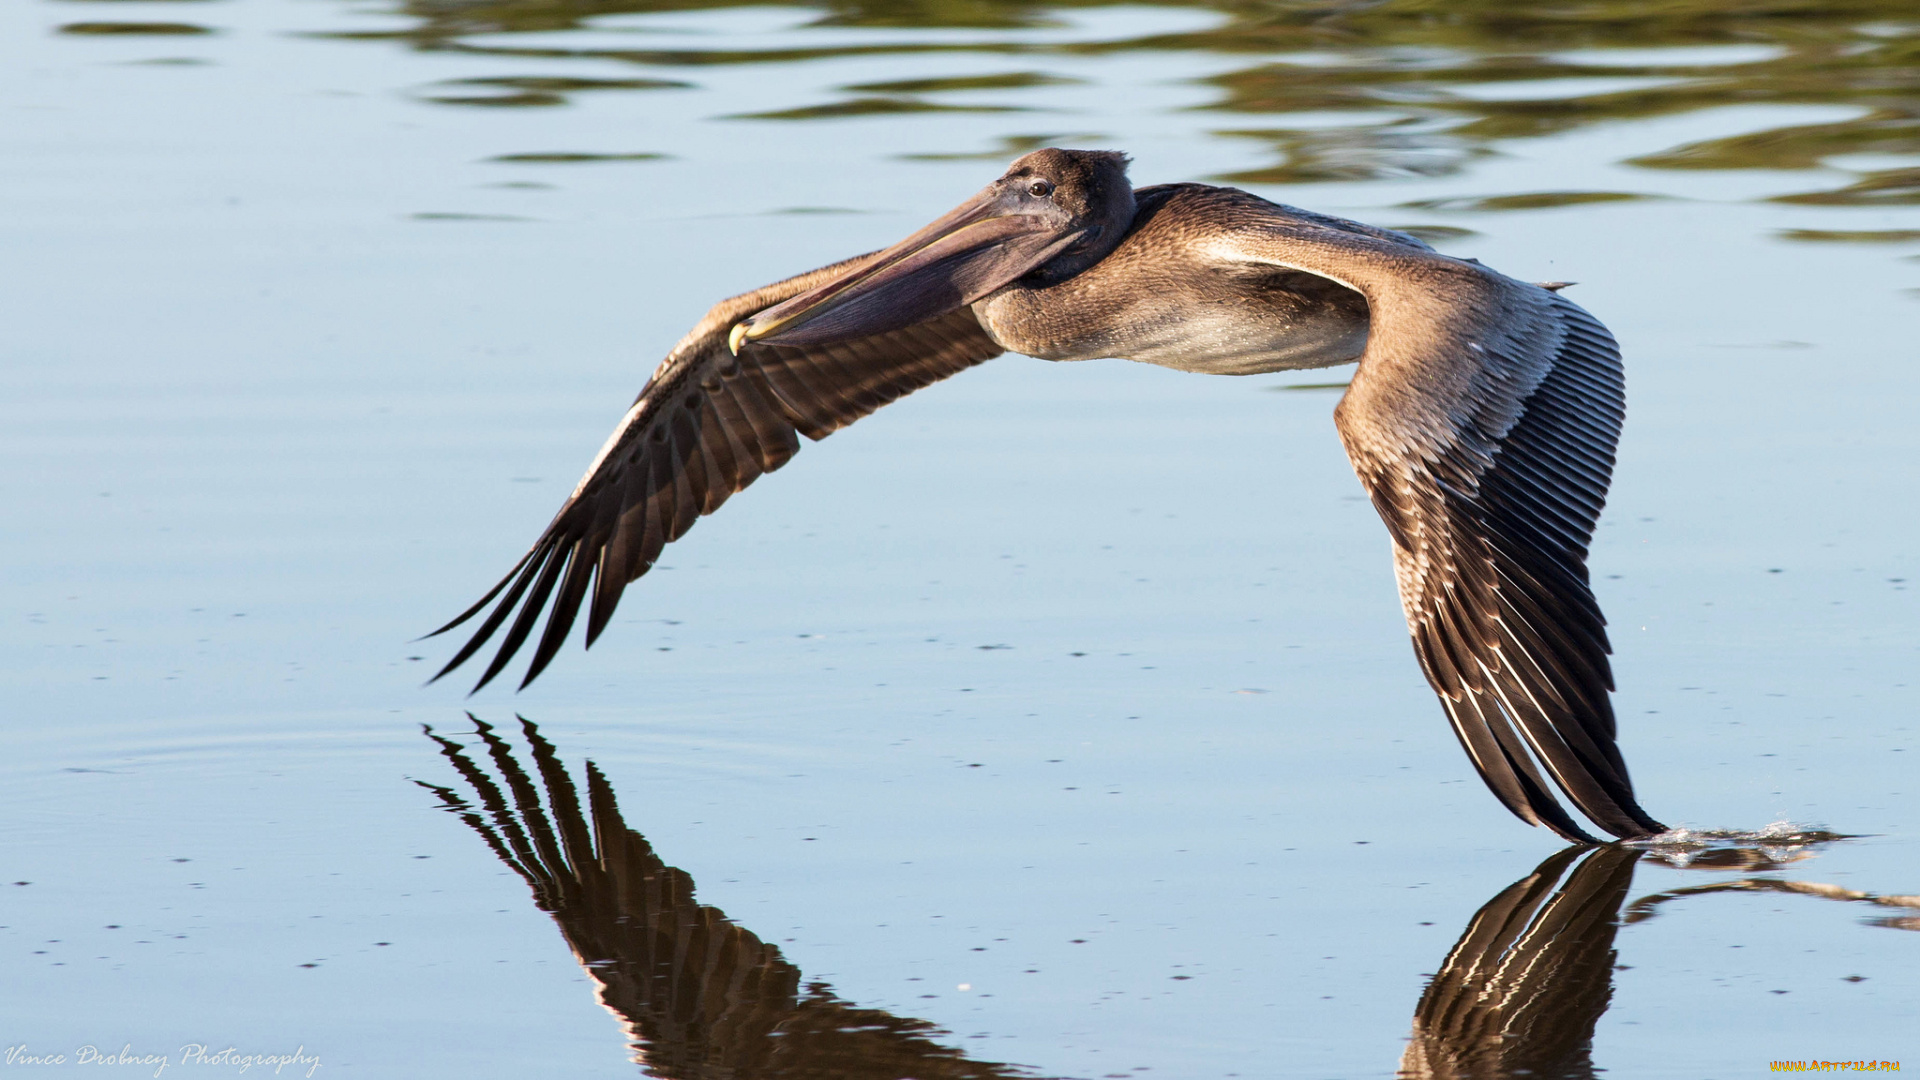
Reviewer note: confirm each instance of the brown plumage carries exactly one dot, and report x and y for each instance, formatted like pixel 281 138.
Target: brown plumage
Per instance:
pixel 700 996
pixel 1529 979
pixel 1482 421
pixel 707 424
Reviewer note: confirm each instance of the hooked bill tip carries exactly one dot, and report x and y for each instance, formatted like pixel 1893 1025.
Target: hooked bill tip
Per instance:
pixel 736 338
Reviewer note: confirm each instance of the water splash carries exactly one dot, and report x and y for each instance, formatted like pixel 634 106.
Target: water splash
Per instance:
pixel 1770 847
pixel 1765 848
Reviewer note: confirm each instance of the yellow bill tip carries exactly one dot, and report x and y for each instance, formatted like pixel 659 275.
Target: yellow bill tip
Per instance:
pixel 736 338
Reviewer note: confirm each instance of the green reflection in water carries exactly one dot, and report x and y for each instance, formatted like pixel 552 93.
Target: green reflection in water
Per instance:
pixel 1891 187
pixel 1853 236
pixel 867 106
pixel 523 90
pixel 1377 91
pixel 1435 234
pixel 570 157
pixel 1538 200
pixel 133 29
pixel 1018 80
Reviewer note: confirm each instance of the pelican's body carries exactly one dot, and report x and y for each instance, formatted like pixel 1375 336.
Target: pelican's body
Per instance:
pixel 1482 421
pixel 1161 297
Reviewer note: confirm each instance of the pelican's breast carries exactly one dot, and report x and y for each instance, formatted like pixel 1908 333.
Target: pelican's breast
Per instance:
pixel 1160 298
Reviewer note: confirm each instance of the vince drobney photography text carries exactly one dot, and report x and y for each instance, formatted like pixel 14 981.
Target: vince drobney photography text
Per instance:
pixel 188 1056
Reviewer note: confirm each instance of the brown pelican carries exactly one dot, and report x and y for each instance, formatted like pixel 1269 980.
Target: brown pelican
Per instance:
pixel 1482 420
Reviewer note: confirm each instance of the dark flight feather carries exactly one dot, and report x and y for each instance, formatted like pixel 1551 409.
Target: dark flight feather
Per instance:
pixel 707 424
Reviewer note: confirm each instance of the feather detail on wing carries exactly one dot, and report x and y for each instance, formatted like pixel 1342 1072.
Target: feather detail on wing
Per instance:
pixel 707 424
pixel 1483 421
pixel 1515 398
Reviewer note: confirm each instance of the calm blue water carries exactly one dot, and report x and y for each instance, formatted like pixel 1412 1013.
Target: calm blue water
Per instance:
pixel 1066 708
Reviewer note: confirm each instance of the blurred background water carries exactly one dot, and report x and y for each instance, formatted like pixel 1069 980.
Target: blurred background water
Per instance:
pixel 1058 716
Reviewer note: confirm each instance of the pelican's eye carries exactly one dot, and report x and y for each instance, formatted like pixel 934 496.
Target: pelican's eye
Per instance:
pixel 1040 189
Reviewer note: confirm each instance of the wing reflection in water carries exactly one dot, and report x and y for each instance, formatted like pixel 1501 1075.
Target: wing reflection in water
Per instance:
pixel 1523 987
pixel 701 997
pixel 1646 907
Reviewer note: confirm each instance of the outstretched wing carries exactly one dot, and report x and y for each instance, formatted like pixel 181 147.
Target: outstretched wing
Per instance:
pixel 1521 991
pixel 1483 421
pixel 1491 516
pixel 705 425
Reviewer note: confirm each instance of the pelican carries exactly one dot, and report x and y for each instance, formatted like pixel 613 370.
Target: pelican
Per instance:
pixel 703 997
pixel 1482 421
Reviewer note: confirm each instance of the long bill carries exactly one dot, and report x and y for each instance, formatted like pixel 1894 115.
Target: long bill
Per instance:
pixel 980 245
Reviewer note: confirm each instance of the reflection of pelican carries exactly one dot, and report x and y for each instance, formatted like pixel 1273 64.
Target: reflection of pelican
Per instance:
pixel 1524 986
pixel 701 997
pixel 1530 977
pixel 1482 420
pixel 1645 907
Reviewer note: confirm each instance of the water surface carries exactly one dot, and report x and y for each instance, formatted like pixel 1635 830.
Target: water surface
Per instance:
pixel 1058 720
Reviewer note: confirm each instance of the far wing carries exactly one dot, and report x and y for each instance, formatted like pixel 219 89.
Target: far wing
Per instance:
pixel 707 424
pixel 1483 421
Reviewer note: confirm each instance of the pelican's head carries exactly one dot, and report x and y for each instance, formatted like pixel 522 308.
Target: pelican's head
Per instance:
pixel 1059 211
